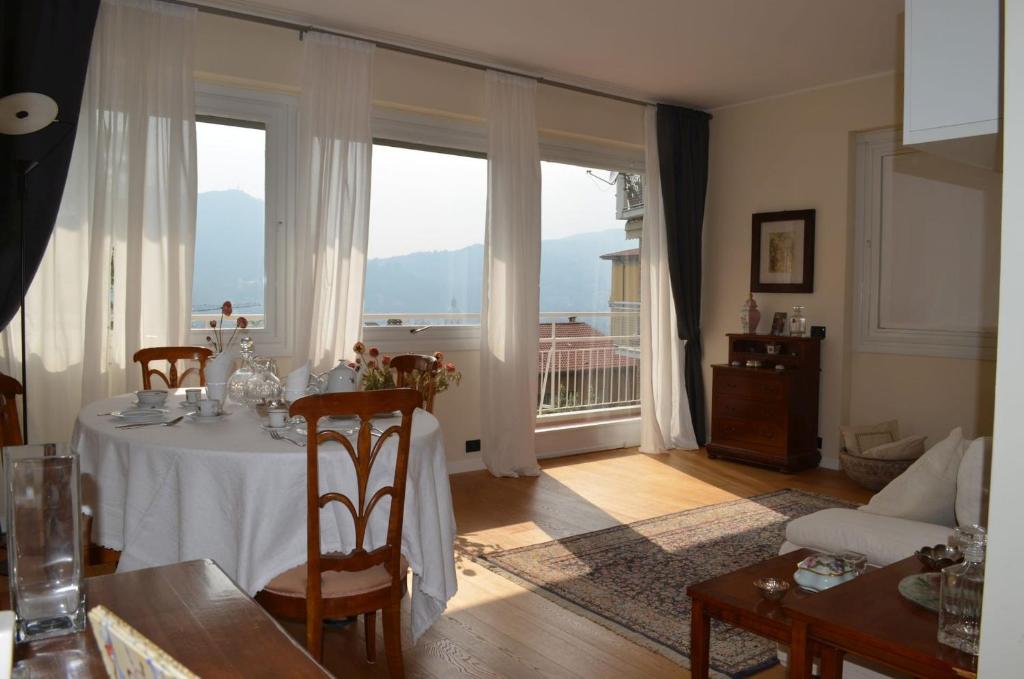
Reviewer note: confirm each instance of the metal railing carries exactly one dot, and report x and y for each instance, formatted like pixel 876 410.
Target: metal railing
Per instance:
pixel 201 320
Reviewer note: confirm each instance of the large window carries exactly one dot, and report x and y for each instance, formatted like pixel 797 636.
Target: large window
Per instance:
pixel 589 290
pixel 425 254
pixel 244 149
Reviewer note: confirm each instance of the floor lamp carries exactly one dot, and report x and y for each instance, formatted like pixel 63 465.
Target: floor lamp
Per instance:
pixel 24 113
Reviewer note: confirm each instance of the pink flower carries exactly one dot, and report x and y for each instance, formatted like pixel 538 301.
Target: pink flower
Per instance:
pixel 371 365
pixel 439 357
pixel 242 322
pixel 450 367
pixel 225 308
pixel 353 365
pixel 386 360
pixel 374 352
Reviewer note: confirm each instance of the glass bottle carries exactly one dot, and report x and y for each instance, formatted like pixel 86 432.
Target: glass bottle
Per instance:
pixel 797 322
pixel 960 593
pixel 264 386
pixel 236 383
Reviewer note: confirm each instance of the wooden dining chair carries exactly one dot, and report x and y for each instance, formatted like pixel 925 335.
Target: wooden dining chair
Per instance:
pixel 172 355
pixel 405 365
pixel 362 581
pixel 10 428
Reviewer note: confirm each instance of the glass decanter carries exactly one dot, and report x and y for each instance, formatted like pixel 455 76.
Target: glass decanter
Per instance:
pixel 236 383
pixel 264 386
pixel 960 593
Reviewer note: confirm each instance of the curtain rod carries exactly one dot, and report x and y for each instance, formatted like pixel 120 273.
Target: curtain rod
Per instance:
pixel 392 47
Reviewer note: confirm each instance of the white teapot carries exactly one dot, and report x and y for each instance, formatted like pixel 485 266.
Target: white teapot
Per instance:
pixel 340 379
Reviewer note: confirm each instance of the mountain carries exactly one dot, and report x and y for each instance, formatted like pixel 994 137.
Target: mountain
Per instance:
pixel 230 252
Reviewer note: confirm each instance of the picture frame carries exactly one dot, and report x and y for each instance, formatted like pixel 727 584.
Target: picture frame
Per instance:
pixel 779 322
pixel 782 251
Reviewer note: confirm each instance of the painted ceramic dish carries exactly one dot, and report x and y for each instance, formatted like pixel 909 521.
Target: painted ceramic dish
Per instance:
pixel 922 589
pixel 819 572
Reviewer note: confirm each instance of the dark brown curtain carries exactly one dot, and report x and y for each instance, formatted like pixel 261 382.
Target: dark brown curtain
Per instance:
pixel 45 49
pixel 683 159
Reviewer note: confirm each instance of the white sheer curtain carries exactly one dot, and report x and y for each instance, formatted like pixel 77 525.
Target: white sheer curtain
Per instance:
pixel 511 296
pixel 117 274
pixel 335 146
pixel 664 409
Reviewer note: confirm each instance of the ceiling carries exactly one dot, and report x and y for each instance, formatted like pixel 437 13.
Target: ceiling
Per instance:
pixel 703 53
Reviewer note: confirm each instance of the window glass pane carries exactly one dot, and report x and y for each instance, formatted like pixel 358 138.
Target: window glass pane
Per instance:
pixel 230 221
pixel 425 253
pixel 589 289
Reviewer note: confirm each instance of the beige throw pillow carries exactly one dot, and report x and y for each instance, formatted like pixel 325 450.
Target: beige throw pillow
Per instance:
pixel 927 490
pixel 972 483
pixel 909 448
pixel 861 438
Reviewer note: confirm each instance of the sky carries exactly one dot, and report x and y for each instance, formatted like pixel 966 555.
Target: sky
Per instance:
pixel 420 201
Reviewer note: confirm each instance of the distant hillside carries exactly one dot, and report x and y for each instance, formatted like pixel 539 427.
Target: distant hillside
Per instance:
pixel 229 265
pixel 229 251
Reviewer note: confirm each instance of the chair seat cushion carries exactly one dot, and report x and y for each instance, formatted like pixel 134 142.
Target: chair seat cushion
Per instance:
pixel 334 583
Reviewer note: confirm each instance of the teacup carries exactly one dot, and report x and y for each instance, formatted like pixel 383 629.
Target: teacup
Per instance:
pixel 209 407
pixel 151 398
pixel 277 417
pixel 193 396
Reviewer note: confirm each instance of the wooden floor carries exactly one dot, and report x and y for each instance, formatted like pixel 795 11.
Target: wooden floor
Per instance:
pixel 494 628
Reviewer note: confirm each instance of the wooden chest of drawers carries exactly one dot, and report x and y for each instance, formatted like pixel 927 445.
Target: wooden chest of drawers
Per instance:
pixel 764 415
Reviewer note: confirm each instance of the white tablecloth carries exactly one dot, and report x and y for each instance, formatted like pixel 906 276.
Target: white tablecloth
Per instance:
pixel 227 491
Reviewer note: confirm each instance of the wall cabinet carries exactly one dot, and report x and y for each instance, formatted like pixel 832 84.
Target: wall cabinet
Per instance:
pixel 767 414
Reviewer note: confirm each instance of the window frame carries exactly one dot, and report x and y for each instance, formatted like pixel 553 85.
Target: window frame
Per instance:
pixel 278 114
pixel 463 135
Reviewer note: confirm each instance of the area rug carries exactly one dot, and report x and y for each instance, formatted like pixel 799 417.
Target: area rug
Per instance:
pixel 633 578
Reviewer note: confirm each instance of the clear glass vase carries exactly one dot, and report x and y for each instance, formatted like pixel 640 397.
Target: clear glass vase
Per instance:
pixel 238 379
pixel 44 540
pixel 797 322
pixel 264 385
pixel 960 594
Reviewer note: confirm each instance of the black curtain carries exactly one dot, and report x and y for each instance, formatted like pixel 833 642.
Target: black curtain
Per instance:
pixel 683 159
pixel 46 50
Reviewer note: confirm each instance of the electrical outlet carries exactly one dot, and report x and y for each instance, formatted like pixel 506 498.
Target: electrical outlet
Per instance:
pixel 473 446
pixel 819 443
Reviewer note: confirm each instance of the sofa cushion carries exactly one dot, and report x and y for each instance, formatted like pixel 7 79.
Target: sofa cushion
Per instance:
pixel 882 539
pixel 972 483
pixel 927 490
pixel 862 437
pixel 907 448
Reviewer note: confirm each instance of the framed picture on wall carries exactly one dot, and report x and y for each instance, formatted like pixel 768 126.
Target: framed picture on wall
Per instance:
pixel 782 251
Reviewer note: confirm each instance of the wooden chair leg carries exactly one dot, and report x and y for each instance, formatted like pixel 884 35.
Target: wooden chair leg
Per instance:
pixel 393 640
pixel 315 638
pixel 370 632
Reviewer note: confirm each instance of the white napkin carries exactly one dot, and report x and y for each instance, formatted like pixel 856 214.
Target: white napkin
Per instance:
pixel 296 382
pixel 219 369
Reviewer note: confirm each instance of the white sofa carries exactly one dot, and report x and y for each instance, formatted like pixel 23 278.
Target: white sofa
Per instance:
pixel 886 539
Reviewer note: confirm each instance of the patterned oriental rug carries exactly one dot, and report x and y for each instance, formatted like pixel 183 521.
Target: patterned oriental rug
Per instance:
pixel 632 578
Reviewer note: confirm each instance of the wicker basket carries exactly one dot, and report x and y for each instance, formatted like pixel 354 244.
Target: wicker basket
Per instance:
pixel 873 474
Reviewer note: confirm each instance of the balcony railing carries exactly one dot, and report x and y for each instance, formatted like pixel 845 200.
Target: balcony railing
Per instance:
pixel 588 361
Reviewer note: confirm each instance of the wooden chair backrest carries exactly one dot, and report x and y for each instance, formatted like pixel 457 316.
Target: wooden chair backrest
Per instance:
pixel 405 365
pixel 365 405
pixel 172 355
pixel 10 428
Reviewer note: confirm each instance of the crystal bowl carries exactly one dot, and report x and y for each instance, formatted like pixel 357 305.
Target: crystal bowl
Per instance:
pixel 772 589
pixel 938 557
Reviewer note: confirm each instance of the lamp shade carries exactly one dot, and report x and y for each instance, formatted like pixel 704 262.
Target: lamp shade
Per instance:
pixel 26 112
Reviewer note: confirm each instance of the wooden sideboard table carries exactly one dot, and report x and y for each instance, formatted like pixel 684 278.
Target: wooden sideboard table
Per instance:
pixel 868 617
pixel 732 598
pixel 191 610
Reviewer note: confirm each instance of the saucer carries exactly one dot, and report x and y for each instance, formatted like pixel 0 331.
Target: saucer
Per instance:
pixel 196 417
pixel 136 405
pixel 267 427
pixel 140 414
pixel 186 404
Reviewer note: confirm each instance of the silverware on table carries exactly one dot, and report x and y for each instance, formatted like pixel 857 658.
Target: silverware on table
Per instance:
pixel 278 436
pixel 136 425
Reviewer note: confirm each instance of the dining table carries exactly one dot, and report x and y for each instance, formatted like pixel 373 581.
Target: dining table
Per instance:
pixel 224 489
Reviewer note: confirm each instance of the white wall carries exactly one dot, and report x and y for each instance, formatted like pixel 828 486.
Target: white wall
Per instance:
pixel 264 57
pixel 1002 638
pixel 796 152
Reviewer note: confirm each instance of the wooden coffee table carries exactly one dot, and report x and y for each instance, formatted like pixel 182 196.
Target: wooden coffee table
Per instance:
pixel 868 617
pixel 732 598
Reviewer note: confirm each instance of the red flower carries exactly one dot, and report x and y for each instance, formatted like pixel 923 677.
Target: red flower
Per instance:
pixel 353 365
pixel 450 367
pixel 242 322
pixel 371 365
pixel 386 360
pixel 225 308
pixel 439 357
pixel 213 324
pixel 374 352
